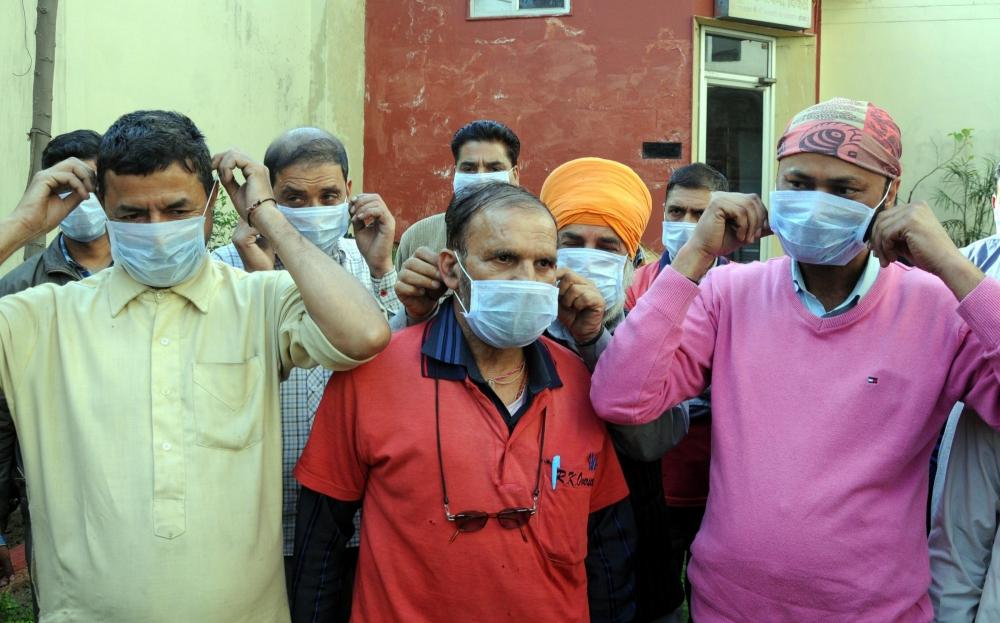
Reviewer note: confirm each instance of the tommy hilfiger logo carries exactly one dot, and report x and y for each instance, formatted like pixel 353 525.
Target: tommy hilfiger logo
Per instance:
pixel 873 380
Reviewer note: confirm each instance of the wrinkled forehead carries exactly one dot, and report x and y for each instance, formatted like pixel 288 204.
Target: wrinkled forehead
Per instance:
pixel 526 229
pixel 158 189
pixel 314 174
pixel 689 198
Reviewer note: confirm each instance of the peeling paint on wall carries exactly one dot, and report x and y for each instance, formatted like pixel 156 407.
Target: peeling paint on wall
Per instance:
pixel 597 82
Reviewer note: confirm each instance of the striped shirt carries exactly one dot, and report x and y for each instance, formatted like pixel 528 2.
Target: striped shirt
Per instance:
pixel 301 392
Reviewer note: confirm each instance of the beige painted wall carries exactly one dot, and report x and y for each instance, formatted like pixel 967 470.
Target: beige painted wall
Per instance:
pixel 930 64
pixel 243 70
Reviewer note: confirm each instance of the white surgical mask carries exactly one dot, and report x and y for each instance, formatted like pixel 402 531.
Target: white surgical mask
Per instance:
pixel 323 226
pixel 160 255
pixel 675 235
pixel 86 222
pixel 605 269
pixel 463 180
pixel 815 227
pixel 509 314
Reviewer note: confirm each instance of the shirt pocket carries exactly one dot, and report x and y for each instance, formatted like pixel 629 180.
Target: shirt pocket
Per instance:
pixel 562 522
pixel 221 393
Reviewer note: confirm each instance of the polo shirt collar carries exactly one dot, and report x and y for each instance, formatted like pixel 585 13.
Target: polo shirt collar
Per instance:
pixel 122 288
pixel 446 354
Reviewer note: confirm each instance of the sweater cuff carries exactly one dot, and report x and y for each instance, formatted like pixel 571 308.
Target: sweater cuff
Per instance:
pixel 981 311
pixel 671 294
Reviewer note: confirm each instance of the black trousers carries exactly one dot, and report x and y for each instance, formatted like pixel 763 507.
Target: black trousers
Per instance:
pixel 658 585
pixel 682 526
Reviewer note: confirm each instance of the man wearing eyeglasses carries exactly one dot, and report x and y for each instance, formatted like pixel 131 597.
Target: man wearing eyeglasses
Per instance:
pixel 487 480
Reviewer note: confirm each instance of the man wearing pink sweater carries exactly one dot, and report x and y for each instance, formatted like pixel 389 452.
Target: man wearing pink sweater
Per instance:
pixel 832 372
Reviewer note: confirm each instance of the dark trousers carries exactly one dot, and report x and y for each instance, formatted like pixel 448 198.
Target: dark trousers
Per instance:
pixel 658 587
pixel 682 526
pixel 343 613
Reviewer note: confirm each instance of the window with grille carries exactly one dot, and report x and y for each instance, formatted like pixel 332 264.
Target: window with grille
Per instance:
pixel 517 8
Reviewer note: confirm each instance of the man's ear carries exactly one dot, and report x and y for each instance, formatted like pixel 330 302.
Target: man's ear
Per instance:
pixel 993 200
pixel 350 186
pixel 448 269
pixel 515 175
pixel 890 199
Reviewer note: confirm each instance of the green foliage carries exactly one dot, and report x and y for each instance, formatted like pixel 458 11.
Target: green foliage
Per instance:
pixel 224 223
pixel 965 190
pixel 13 612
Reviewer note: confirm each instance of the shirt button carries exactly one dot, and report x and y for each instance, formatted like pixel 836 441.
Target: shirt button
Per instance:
pixel 164 341
pixel 383 292
pixel 167 392
pixel 166 446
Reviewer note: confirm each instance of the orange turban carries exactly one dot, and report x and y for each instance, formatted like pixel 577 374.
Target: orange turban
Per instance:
pixel 595 191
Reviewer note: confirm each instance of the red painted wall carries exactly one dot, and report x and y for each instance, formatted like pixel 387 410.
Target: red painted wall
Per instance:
pixel 598 82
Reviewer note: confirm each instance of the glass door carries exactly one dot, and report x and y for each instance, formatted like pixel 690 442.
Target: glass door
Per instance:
pixel 735 114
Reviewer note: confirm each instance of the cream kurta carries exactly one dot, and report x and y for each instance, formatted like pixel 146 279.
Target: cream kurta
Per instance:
pixel 150 429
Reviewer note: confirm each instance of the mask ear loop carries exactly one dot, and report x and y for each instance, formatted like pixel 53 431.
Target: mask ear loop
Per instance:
pixel 467 276
pixel 877 211
pixel 211 193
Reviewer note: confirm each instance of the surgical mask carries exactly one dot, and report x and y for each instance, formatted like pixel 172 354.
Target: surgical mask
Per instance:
pixel 160 255
pixel 605 269
pixel 323 226
pixel 815 227
pixel 462 180
pixel 675 235
pixel 509 314
pixel 86 222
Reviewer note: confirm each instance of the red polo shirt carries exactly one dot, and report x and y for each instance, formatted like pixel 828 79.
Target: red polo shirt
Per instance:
pixel 374 438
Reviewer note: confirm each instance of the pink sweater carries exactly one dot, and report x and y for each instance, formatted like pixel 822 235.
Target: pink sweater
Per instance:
pixel 822 430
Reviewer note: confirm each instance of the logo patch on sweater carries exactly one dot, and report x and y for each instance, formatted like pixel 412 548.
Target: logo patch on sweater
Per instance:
pixel 873 380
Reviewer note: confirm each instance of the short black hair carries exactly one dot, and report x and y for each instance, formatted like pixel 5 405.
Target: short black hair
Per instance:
pixel 82 144
pixel 146 141
pixel 698 176
pixel 478 197
pixel 488 131
pixel 285 151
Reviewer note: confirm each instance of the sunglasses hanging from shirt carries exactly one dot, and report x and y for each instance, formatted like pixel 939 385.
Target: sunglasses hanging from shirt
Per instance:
pixel 474 521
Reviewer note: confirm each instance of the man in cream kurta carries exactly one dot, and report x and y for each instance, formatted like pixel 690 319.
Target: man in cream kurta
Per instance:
pixel 149 416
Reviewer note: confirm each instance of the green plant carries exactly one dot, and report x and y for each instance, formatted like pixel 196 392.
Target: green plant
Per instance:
pixel 13 612
pixel 965 189
pixel 224 223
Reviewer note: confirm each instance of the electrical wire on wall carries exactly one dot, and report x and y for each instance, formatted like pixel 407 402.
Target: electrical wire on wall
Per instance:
pixel 31 60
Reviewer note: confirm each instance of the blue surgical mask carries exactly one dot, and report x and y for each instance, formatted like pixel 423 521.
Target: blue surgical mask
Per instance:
pixel 323 226
pixel 509 314
pixel 463 180
pixel 675 235
pixel 815 227
pixel 160 255
pixel 86 222
pixel 605 269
